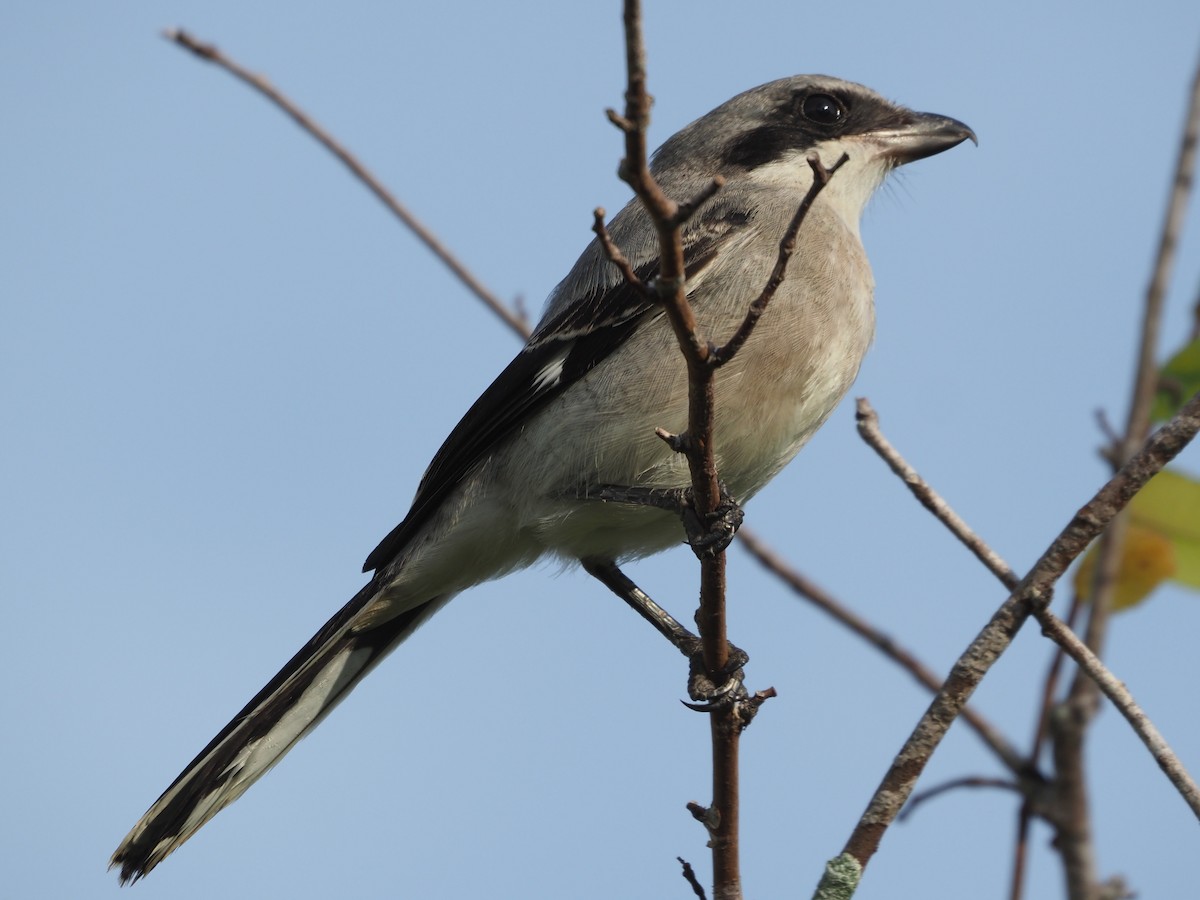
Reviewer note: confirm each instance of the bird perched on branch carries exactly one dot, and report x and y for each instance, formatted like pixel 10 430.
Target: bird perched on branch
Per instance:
pixel 550 458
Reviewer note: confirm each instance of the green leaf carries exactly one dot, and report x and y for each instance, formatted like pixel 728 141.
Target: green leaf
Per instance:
pixel 1162 541
pixel 1170 505
pixel 1178 381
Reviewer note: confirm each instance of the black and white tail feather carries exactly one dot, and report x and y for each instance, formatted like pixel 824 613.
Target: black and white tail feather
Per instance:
pixel 294 702
pixel 578 407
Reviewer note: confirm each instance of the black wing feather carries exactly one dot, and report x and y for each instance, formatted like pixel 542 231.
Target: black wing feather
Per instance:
pixel 583 334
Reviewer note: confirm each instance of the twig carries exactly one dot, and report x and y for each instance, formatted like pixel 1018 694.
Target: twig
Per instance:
pixel 1075 713
pixel 868 425
pixel 970 781
pixel 668 216
pixel 613 253
pixel 1054 628
pixel 787 246
pixel 724 719
pixel 868 428
pixel 1020 852
pixel 689 875
pixel 1040 733
pixel 1120 697
pixel 687 208
pixel 210 53
pixel 1034 590
pixel 1146 382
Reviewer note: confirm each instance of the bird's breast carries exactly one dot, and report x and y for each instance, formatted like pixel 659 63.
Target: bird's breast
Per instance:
pixel 799 363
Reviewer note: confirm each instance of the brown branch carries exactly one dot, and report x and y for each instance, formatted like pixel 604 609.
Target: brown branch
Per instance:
pixel 1033 591
pixel 210 53
pixel 868 428
pixel 1040 733
pixel 686 209
pixel 613 252
pixel 969 781
pixel 1071 826
pixel 1071 819
pixel 725 719
pixel 1075 713
pixel 1120 697
pixel 1020 852
pixel 1050 685
pixel 689 875
pixel 1146 382
pixel 1054 628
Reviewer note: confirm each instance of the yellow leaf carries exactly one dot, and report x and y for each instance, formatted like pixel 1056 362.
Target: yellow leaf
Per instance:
pixel 1170 505
pixel 1147 560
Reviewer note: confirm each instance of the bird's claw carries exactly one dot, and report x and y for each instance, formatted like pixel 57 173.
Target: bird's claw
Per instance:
pixel 710 535
pixel 712 690
pixel 707 535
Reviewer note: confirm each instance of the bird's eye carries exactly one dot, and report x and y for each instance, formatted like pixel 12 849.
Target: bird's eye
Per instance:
pixel 823 109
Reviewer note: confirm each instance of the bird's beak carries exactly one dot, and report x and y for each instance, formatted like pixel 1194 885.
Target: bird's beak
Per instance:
pixel 925 134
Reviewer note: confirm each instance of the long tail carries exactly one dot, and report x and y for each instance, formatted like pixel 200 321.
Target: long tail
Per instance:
pixel 291 705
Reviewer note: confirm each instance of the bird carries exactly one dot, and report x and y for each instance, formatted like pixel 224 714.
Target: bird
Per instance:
pixel 524 474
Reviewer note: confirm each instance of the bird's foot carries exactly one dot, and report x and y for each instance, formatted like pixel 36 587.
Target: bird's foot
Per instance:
pixel 707 535
pixel 713 689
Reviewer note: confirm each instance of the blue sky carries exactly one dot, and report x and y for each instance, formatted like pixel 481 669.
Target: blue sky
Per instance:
pixel 223 369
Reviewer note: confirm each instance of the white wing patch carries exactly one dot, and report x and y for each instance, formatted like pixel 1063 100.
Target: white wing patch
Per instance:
pixel 551 373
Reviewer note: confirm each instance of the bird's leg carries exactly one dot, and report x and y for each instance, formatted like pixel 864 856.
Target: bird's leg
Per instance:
pixel 620 584
pixel 706 535
pixel 700 685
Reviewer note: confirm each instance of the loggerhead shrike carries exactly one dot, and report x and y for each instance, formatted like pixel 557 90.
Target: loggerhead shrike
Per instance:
pixel 576 411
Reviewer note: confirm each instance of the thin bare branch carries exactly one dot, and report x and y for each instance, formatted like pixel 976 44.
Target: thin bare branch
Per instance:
pixel 1120 697
pixel 687 208
pixel 969 781
pixel 210 53
pixel 613 252
pixel 868 428
pixel 1016 887
pixel 1146 383
pixel 1054 628
pixel 1033 591
pixel 1051 625
pixel 689 875
pixel 1050 685
pixel 1074 715
pixel 787 247
pixel 725 719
